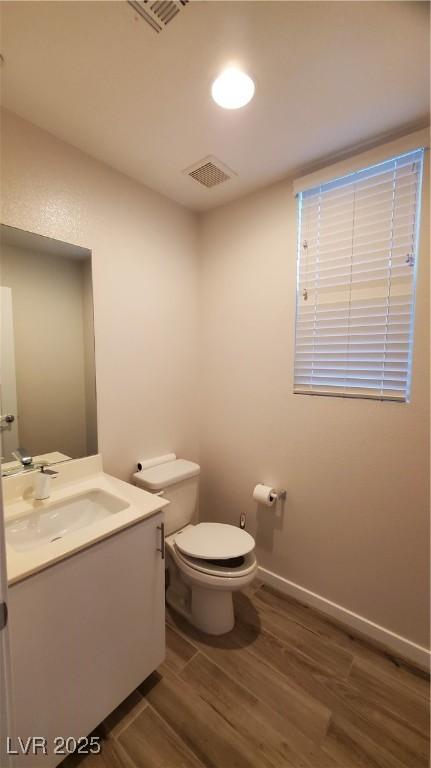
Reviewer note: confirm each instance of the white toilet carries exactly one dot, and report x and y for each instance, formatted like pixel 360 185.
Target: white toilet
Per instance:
pixel 207 561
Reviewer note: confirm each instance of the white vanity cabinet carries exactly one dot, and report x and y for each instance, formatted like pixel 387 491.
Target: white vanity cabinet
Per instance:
pixel 84 633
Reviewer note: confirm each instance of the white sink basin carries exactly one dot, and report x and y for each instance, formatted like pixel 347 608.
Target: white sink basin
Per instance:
pixel 40 527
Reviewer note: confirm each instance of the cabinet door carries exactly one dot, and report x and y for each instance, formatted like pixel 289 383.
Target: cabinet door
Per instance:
pixel 85 633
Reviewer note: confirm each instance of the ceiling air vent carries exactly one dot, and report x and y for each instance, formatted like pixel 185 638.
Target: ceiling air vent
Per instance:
pixel 158 13
pixel 210 172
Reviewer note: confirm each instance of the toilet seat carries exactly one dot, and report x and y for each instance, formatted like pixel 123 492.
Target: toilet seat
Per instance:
pixel 219 570
pixel 213 541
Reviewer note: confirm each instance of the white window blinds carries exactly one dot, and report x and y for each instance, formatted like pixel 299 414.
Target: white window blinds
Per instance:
pixel 357 241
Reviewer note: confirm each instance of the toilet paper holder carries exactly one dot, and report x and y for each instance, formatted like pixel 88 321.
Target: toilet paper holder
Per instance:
pixel 278 494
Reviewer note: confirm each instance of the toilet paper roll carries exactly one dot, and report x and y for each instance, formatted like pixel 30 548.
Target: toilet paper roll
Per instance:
pixel 147 463
pixel 264 494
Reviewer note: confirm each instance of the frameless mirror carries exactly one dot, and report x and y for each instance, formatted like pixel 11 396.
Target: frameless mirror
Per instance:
pixel 47 367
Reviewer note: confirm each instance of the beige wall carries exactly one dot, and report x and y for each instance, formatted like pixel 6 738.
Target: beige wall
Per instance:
pixel 47 301
pixel 355 525
pixel 145 272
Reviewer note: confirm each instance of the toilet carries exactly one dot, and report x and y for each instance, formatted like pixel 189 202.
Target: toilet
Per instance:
pixel 206 562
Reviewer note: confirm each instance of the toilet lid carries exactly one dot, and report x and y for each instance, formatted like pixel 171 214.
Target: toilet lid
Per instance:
pixel 214 541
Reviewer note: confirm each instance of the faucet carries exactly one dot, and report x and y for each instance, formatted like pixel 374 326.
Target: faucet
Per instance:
pixel 23 456
pixel 43 483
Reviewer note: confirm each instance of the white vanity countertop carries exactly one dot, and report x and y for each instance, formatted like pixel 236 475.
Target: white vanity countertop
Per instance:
pixel 74 478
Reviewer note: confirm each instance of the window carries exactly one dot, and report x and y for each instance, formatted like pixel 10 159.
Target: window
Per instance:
pixel 357 239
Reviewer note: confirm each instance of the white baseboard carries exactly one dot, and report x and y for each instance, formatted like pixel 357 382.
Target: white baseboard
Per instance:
pixel 396 644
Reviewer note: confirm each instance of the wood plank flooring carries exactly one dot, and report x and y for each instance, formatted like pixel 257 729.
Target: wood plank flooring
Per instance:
pixel 285 689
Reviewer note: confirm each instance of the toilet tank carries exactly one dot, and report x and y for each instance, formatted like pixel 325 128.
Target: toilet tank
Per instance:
pixel 178 482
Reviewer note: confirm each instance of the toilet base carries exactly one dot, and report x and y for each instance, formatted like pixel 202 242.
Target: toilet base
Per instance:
pixel 212 611
pixel 208 610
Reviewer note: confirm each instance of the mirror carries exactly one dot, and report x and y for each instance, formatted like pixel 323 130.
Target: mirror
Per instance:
pixel 47 367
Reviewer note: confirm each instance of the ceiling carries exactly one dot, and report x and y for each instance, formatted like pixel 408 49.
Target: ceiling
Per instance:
pixel 329 76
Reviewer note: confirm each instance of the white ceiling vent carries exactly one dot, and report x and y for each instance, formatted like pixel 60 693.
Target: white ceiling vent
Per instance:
pixel 210 172
pixel 158 13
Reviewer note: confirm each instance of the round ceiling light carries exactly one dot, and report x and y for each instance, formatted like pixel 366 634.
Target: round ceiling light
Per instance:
pixel 232 89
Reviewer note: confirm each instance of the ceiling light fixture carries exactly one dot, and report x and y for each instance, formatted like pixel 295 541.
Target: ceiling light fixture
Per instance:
pixel 232 89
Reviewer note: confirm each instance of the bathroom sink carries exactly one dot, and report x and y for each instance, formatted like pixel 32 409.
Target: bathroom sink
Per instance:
pixel 47 525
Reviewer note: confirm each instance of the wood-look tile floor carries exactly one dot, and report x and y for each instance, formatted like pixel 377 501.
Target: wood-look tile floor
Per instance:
pixel 285 688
